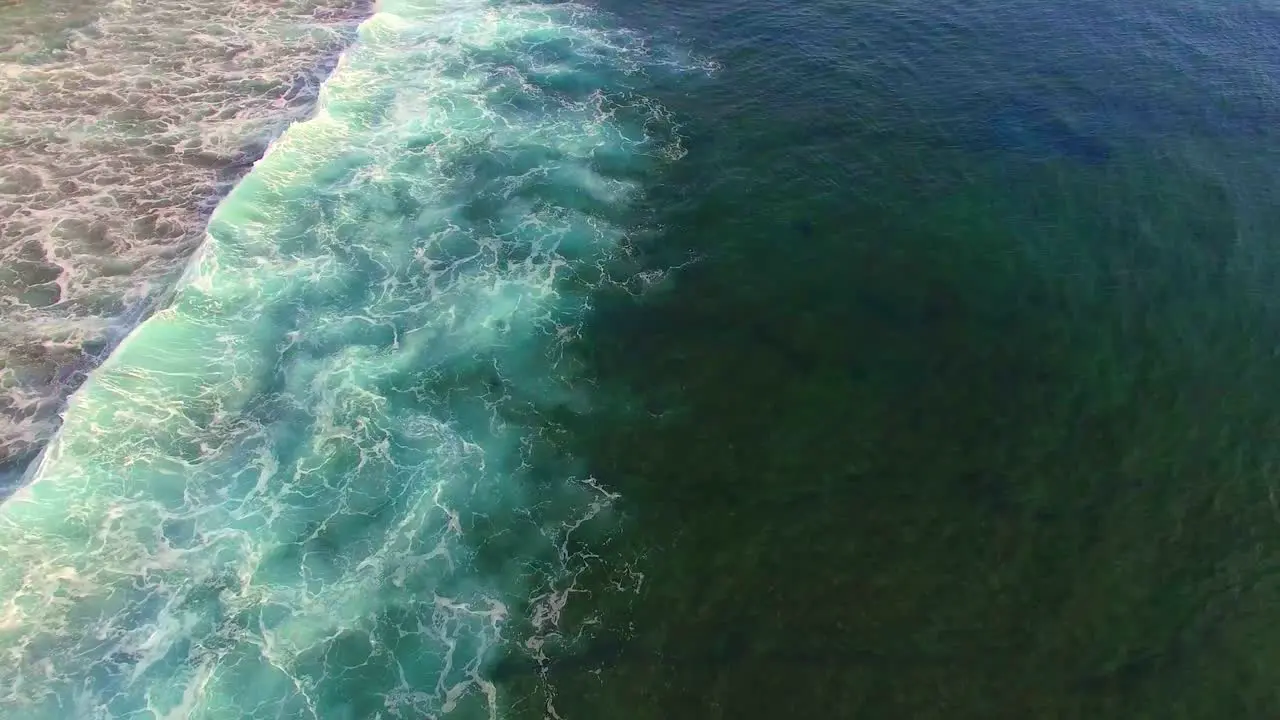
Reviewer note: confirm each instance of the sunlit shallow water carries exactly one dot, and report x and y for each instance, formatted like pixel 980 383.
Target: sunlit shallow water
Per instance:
pixel 121 125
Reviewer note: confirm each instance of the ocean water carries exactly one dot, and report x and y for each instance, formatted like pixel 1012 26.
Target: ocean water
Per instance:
pixel 121 124
pixel 321 482
pixel 710 359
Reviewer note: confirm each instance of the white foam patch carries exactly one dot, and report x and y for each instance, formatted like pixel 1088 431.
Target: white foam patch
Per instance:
pixel 121 123
pixel 318 484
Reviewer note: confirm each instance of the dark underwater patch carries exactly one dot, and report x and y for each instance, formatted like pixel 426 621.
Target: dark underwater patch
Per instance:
pixel 1029 128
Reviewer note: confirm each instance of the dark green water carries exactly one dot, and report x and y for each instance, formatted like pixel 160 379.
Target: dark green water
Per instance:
pixel 969 405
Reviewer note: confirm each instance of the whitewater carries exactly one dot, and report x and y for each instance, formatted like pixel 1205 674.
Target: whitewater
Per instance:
pixel 323 481
pixel 121 124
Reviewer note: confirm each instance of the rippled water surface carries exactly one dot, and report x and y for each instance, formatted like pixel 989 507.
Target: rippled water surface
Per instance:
pixel 704 359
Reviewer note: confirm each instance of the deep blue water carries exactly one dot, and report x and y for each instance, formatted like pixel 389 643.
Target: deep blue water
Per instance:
pixel 700 360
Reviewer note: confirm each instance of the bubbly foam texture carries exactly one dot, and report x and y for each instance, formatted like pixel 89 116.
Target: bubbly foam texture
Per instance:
pixel 121 123
pixel 324 482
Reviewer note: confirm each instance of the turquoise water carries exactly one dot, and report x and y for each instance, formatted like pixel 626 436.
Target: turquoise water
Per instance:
pixel 316 485
pixel 707 359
